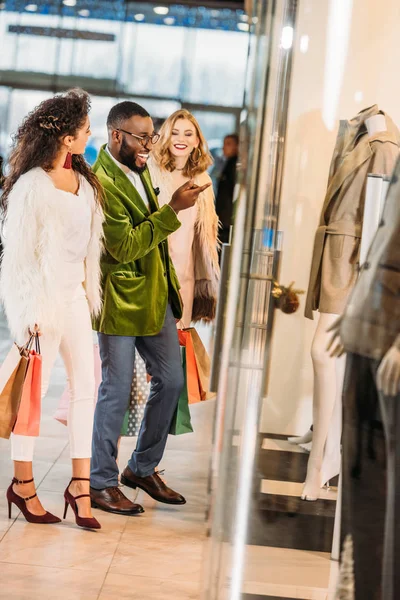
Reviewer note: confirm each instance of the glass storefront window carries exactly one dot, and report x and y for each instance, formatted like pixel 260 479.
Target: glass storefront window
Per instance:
pixel 217 68
pixel 26 52
pixel 158 109
pixel 8 46
pixel 4 108
pixel 98 59
pixel 21 103
pixel 157 73
pixel 215 125
pixel 321 122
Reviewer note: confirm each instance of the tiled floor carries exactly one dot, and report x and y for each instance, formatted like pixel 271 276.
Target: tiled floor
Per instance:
pixel 158 555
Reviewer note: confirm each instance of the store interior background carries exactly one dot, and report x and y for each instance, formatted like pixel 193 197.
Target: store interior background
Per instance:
pixel 162 56
pixel 196 57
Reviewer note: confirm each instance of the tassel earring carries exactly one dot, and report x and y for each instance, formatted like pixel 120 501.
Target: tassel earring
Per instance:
pixel 68 161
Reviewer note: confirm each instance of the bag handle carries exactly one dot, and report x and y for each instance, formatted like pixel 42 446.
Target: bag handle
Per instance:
pixel 26 348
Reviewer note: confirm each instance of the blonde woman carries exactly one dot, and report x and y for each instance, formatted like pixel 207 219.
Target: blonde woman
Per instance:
pixel 180 155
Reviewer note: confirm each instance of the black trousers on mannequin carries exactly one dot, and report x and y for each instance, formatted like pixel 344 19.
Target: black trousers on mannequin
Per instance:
pixel 371 481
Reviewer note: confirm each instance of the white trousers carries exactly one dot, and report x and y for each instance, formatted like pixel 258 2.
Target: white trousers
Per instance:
pixel 75 345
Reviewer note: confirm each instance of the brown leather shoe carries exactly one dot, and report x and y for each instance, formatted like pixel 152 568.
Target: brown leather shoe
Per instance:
pixel 153 485
pixel 114 501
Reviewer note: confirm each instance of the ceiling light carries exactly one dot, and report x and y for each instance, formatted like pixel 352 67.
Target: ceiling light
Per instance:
pixel 243 26
pixel 31 7
pixel 2 5
pixel 84 12
pixel 161 10
pixel 69 2
pixel 287 38
pixel 215 13
pixel 169 20
pixel 139 17
pixel 244 18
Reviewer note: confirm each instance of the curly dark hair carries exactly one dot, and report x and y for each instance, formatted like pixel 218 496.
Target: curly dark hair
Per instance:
pixel 39 138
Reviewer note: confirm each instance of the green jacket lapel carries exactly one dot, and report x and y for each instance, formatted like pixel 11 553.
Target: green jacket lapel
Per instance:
pixel 121 180
pixel 148 186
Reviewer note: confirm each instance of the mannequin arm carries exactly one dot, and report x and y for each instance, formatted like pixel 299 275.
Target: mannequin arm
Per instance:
pixel 388 376
pixel 335 346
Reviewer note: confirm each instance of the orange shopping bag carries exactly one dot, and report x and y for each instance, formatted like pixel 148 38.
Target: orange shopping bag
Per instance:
pixel 192 374
pixel 203 364
pixel 28 419
pixel 12 377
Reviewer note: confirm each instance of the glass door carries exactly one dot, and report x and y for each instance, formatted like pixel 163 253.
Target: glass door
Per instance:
pixel 241 363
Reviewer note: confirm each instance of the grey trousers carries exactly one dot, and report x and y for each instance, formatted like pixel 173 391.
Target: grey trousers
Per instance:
pixel 371 481
pixel 162 356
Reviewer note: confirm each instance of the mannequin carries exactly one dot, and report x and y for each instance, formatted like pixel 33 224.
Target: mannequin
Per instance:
pixel 375 124
pixel 324 460
pixel 369 331
pixel 302 439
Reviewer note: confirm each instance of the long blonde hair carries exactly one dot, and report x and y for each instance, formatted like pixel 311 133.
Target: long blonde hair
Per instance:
pixel 199 160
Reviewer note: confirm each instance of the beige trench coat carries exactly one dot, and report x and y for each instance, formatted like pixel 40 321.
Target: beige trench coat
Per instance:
pixel 371 321
pixel 335 257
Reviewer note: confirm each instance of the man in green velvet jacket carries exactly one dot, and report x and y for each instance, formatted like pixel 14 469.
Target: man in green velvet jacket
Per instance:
pixel 141 302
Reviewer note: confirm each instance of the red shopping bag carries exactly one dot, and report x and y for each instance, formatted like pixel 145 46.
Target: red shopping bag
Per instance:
pixel 192 374
pixel 28 418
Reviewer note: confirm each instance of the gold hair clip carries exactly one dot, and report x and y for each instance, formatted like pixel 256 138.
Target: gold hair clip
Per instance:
pixel 49 122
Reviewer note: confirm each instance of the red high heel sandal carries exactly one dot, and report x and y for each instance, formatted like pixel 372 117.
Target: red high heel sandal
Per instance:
pixel 70 500
pixel 20 503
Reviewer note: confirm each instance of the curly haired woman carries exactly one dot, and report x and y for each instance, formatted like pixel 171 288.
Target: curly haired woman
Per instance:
pixel 181 155
pixel 50 279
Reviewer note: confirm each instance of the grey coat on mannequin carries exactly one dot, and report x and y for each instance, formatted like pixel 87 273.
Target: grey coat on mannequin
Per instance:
pixel 371 322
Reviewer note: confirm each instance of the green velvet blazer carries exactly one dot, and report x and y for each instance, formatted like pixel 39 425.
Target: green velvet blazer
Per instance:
pixel 138 278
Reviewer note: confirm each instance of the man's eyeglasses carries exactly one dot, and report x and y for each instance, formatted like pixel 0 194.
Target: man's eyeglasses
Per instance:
pixel 145 139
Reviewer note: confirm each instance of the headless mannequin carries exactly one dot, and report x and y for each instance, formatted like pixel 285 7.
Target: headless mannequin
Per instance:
pixel 375 124
pixel 324 460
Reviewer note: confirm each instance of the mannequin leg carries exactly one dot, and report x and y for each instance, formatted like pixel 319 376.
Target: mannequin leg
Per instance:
pixel 332 455
pixel 303 439
pixel 325 396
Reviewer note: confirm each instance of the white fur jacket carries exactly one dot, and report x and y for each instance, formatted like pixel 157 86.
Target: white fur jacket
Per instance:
pixel 205 244
pixel 31 276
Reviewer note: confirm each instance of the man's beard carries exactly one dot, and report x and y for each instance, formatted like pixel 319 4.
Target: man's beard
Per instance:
pixel 126 158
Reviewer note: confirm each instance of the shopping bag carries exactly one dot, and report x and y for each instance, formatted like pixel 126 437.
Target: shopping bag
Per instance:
pixel 28 417
pixel 203 364
pixel 191 372
pixel 139 394
pixel 12 377
pixel 181 423
pixel 61 413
